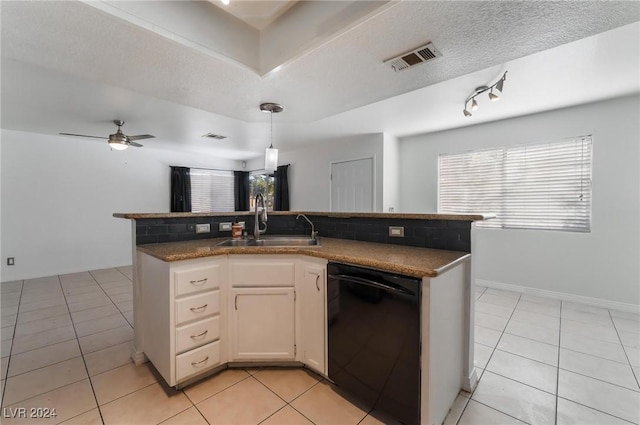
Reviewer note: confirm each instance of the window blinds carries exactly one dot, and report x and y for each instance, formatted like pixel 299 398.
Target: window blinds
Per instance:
pixel 536 186
pixel 212 190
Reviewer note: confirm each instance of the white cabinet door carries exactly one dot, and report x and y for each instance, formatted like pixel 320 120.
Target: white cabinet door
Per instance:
pixel 263 323
pixel 313 323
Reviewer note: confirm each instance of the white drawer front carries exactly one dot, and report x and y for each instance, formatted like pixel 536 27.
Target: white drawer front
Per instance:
pixel 272 273
pixel 197 307
pixel 197 361
pixel 197 334
pixel 197 279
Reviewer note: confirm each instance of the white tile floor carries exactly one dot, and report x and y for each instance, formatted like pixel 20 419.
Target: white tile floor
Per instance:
pixel 66 341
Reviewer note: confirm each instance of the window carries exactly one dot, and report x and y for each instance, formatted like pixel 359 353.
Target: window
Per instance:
pixel 538 186
pixel 262 183
pixel 212 190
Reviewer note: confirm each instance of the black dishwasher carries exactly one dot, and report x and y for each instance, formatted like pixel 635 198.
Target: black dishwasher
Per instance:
pixel 374 338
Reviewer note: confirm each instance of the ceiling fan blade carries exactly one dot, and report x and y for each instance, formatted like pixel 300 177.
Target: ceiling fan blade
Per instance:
pixel 137 145
pixel 141 136
pixel 83 135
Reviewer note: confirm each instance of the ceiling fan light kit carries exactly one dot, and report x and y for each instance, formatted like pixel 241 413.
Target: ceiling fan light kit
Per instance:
pixel 495 90
pixel 118 140
pixel 271 153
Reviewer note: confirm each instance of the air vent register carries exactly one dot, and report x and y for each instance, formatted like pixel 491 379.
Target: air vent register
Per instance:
pixel 414 57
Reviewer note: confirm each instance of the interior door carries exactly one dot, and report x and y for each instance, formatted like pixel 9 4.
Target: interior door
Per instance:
pixel 352 186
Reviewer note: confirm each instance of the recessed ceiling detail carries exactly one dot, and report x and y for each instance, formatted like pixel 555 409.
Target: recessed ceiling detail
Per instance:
pixel 414 57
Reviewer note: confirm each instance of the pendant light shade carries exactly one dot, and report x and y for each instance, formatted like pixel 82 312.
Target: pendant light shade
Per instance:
pixel 271 153
pixel 271 158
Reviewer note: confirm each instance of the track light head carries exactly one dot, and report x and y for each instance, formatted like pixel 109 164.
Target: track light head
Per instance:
pixel 466 113
pixel 474 105
pixel 493 97
pixel 500 83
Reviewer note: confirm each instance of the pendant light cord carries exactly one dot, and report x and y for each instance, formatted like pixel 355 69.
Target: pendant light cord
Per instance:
pixel 271 141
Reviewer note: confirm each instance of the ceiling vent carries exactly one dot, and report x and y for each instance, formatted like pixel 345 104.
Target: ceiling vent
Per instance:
pixel 414 57
pixel 214 136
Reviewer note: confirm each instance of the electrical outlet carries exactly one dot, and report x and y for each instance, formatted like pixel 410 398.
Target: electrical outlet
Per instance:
pixel 224 227
pixel 396 231
pixel 11 261
pixel 203 228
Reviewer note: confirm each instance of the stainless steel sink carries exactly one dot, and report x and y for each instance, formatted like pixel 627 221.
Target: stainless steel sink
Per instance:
pixel 274 241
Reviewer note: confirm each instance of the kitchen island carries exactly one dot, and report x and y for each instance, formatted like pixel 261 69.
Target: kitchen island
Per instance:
pixel 275 287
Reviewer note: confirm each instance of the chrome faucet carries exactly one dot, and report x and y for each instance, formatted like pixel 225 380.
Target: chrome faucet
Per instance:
pixel 314 234
pixel 257 231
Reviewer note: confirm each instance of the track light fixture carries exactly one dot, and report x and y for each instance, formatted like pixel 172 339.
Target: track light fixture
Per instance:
pixel 493 96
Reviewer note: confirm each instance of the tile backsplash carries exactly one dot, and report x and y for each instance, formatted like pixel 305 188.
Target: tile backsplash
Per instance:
pixel 439 234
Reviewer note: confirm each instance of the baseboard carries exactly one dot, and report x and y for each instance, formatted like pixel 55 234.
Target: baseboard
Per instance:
pixel 469 382
pixel 614 305
pixel 138 357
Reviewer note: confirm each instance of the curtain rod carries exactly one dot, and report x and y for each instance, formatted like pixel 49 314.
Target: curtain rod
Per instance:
pixel 220 169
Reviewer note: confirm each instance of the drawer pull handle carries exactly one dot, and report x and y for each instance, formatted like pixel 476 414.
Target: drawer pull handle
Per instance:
pixel 200 362
pixel 198 309
pixel 236 302
pixel 199 282
pixel 200 334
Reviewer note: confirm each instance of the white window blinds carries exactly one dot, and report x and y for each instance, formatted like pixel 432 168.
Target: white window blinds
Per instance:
pixel 212 190
pixel 538 186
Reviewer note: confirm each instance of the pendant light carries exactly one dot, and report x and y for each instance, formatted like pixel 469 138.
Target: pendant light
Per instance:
pixel 271 154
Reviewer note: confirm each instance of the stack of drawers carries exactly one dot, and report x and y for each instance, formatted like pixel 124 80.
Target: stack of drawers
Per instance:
pixel 197 320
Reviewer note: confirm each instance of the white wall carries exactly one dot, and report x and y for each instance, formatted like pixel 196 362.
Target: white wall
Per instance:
pixel 59 194
pixel 309 183
pixel 602 264
pixel 390 173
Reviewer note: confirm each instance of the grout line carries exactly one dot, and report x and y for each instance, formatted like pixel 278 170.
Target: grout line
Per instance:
pixel 182 411
pixel 45 366
pixel 595 355
pixel 216 393
pixel 6 378
pixel 600 380
pixel 558 368
pixel 491 356
pixel 86 368
pixel 635 375
pixel 463 409
pixel 123 395
pixel 523 383
pixel 597 410
pixel 499 411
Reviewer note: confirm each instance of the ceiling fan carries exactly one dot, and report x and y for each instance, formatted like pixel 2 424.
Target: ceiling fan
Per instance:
pixel 118 140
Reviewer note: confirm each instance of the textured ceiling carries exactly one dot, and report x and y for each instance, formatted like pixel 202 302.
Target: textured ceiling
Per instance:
pixel 92 51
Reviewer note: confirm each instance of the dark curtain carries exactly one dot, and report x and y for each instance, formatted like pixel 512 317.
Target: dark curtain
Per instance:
pixel 282 188
pixel 241 190
pixel 180 189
